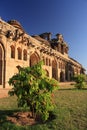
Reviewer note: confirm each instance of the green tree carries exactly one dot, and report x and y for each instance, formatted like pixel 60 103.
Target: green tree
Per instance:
pixel 34 90
pixel 80 81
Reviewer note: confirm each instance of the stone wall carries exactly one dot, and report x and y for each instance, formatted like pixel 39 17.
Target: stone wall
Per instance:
pixel 17 48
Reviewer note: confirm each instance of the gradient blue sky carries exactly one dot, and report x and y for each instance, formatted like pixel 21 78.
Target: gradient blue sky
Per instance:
pixel 68 17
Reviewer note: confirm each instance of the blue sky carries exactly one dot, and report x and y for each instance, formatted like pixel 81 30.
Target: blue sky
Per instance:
pixel 68 17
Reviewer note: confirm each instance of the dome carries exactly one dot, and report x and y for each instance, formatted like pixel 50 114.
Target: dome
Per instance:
pixel 15 23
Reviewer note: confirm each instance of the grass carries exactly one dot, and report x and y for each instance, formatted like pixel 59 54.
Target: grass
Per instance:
pixel 70 111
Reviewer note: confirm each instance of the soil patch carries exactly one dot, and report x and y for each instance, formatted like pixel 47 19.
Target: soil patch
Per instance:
pixel 22 118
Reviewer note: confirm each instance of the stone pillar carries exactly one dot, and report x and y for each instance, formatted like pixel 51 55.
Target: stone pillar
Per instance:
pixel 49 36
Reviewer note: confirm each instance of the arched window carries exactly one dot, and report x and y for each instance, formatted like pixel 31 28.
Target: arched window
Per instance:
pixel 0 65
pixel 34 59
pixel 43 58
pixel 19 53
pixel 47 61
pixel 25 55
pixel 12 51
pixel 54 69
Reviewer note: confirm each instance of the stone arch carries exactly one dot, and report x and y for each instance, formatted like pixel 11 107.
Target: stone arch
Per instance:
pixel 47 61
pixel 54 69
pixel 25 54
pixel 66 72
pixel 2 65
pixel 19 53
pixel 12 51
pixel 43 58
pixel 34 59
pixel 62 76
pixel 70 76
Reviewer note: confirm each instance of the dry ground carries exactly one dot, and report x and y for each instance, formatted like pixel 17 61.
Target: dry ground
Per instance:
pixel 63 85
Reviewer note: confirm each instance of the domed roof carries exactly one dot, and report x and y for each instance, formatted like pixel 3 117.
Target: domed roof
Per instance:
pixel 15 23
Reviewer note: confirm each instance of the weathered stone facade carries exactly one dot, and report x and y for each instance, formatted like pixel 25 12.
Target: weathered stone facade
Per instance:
pixel 17 48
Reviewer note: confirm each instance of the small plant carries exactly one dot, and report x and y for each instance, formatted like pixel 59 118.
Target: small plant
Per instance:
pixel 80 81
pixel 34 90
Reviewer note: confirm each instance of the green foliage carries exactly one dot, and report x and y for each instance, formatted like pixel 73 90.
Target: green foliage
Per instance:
pixel 70 112
pixel 34 90
pixel 80 81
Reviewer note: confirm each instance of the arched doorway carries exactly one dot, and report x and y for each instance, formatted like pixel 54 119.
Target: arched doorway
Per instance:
pixel 62 76
pixel 34 59
pixel 2 65
pixel 54 70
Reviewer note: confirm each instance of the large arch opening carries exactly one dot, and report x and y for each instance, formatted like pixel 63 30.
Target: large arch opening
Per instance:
pixel 2 65
pixel 54 70
pixel 34 59
pixel 62 79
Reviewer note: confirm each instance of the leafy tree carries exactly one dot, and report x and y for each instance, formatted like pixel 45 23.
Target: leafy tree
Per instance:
pixel 80 81
pixel 34 90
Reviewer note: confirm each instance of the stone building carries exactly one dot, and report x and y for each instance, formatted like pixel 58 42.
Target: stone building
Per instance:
pixel 17 48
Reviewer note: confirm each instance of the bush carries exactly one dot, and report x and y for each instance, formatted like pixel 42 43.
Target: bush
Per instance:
pixel 80 81
pixel 34 90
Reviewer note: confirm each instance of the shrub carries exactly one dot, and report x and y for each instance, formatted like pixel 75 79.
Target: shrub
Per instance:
pixel 34 90
pixel 80 81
